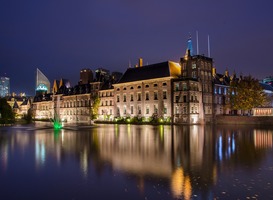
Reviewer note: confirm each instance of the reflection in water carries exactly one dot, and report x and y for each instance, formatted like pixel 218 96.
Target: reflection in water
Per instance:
pixel 180 184
pixel 188 158
pixel 263 138
pixel 84 162
pixel 40 151
pixel 4 157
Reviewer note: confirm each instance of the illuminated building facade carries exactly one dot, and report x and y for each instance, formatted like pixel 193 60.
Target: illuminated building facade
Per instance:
pixel 221 87
pixel 187 94
pixel 106 109
pixel 4 86
pixel 146 91
pixel 19 104
pixel 42 83
pixel 200 96
pixel 75 108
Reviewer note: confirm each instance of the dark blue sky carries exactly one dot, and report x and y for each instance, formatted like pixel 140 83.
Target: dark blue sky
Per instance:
pixel 60 37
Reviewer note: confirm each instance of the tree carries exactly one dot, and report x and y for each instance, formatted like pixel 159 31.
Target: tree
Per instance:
pixel 6 113
pixel 28 116
pixel 246 93
pixel 95 107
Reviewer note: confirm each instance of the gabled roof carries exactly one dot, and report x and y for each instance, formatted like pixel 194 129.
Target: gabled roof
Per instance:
pixel 15 105
pixel 221 79
pixel 159 70
pixel 25 102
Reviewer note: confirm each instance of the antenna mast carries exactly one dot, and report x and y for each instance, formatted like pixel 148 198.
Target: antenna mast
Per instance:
pixel 208 47
pixel 197 43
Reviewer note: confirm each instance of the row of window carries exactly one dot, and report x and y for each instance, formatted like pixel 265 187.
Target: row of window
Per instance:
pixel 106 94
pixel 185 99
pixel 104 112
pixel 105 103
pixel 147 110
pixel 44 107
pixel 221 90
pixel 76 112
pixel 82 103
pixel 203 65
pixel 221 100
pixel 179 110
pixel 179 86
pixel 146 86
pixel 147 96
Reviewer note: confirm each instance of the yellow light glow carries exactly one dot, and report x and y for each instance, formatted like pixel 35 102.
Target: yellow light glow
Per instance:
pixel 177 184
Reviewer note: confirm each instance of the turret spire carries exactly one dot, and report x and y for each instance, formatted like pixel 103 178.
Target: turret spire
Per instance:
pixel 189 47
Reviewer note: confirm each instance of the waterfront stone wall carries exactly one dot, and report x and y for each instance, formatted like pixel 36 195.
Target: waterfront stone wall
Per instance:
pixel 261 120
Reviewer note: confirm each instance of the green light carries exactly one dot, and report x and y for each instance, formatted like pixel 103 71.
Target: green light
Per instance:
pixel 57 125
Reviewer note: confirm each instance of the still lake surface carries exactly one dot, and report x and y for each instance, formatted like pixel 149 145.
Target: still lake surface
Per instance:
pixel 136 162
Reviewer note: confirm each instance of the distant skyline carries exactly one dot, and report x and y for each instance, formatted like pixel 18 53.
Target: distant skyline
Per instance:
pixel 62 37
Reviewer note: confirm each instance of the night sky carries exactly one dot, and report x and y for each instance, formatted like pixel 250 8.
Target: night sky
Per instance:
pixel 60 37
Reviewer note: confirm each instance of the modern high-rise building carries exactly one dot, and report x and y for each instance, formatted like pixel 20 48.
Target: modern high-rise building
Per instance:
pixel 42 83
pixel 86 76
pixel 4 86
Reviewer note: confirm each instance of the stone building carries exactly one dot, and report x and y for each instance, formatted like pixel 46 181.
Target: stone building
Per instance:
pixel 73 108
pixel 146 91
pixel 43 107
pixel 196 73
pixel 221 90
pixel 107 104
pixel 20 105
pixel 187 105
pixel 188 92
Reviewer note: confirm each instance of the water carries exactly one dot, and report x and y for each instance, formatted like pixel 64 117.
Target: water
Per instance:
pixel 136 162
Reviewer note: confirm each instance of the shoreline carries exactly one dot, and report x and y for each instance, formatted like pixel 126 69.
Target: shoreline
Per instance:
pixel 219 120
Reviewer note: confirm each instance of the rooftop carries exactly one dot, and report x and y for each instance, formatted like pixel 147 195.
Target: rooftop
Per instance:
pixel 158 70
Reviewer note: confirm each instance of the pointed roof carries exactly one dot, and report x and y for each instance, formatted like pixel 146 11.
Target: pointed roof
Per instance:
pixel 25 102
pixel 15 105
pixel 158 70
pixel 189 47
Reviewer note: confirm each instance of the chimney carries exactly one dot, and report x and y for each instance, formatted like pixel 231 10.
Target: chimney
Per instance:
pixel 213 71
pixel 140 62
pixel 226 73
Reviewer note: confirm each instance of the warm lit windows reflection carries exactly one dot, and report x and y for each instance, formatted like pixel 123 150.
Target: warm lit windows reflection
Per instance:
pixel 177 154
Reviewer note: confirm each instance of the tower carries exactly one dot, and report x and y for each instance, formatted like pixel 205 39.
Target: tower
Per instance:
pixel 199 68
pixel 86 76
pixel 189 50
pixel 42 83
pixel 4 86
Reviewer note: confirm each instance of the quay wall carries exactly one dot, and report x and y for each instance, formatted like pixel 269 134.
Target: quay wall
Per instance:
pixel 236 120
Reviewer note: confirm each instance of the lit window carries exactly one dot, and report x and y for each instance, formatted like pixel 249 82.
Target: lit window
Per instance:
pixel 139 96
pixel 165 110
pixel 155 109
pixel 147 109
pixel 164 94
pixel 147 96
pixel 155 96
